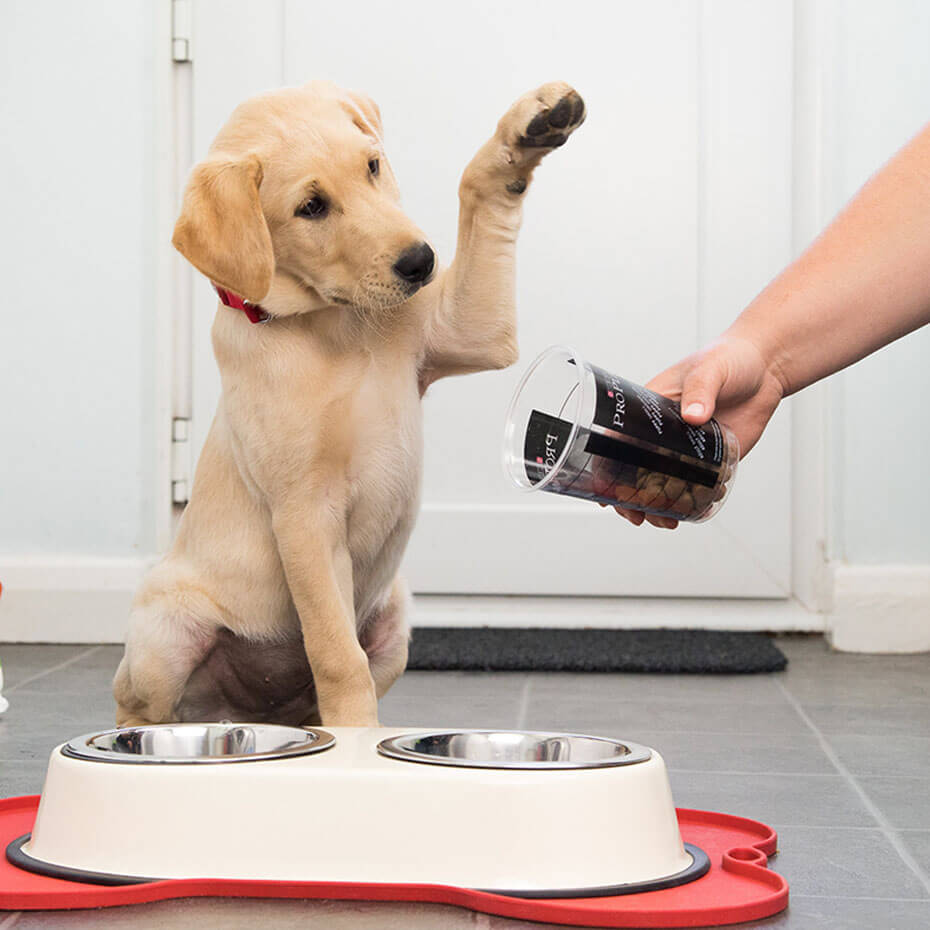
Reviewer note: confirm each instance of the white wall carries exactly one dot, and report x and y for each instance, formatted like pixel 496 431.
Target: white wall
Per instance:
pixel 78 392
pixel 882 442
pixel 76 377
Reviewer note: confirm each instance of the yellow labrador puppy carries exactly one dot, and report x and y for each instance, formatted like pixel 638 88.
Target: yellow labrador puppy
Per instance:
pixel 279 600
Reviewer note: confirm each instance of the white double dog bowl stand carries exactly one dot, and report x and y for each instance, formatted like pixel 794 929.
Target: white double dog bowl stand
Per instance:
pixel 519 813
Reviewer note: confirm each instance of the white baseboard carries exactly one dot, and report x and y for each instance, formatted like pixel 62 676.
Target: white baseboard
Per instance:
pixel 616 613
pixel 880 608
pixel 87 600
pixel 48 599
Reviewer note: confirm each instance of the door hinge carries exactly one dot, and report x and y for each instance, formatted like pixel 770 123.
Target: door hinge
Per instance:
pixel 180 460
pixel 181 16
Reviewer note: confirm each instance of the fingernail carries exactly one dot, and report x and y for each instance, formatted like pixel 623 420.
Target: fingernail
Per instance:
pixel 695 410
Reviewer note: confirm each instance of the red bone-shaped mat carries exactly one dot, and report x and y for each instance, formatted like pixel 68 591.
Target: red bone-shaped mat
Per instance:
pixel 737 888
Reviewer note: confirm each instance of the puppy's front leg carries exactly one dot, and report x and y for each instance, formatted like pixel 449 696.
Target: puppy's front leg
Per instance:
pixel 473 327
pixel 318 569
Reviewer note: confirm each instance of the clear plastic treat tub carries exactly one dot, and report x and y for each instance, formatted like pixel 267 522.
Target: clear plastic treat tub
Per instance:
pixel 524 813
pixel 573 428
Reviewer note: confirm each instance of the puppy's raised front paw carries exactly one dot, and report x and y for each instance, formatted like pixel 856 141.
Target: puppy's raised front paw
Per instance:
pixel 552 125
pixel 542 120
pixel 537 123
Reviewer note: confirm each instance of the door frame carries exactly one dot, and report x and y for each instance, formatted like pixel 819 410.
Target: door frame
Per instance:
pixel 168 272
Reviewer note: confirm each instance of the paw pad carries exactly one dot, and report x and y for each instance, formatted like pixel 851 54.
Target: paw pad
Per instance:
pixel 551 127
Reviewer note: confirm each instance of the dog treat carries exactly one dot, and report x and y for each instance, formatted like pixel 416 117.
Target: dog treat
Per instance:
pixel 575 429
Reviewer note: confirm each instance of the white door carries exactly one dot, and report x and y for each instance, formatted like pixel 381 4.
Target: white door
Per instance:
pixel 642 238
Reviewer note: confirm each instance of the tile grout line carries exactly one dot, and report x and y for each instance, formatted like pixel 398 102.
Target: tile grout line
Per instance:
pixel 889 832
pixel 54 668
pixel 921 778
pixel 754 772
pixel 524 708
pixel 831 827
pixel 830 897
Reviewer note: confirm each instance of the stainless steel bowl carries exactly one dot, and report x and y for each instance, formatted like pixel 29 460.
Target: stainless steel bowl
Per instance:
pixel 182 743
pixel 512 749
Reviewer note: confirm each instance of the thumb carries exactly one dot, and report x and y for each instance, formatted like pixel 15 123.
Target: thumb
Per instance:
pixel 699 390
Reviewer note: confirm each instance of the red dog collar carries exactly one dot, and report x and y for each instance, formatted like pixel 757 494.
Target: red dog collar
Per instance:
pixel 254 312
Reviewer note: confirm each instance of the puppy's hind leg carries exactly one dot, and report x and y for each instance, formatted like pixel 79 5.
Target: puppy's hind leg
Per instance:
pixel 163 646
pixel 386 637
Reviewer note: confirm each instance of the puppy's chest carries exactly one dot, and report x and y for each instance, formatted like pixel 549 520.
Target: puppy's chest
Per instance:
pixel 384 465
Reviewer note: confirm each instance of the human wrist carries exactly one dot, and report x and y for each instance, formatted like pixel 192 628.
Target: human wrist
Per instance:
pixel 763 352
pixel 772 324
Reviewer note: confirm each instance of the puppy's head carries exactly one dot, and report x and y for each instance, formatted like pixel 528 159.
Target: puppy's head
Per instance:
pixel 296 207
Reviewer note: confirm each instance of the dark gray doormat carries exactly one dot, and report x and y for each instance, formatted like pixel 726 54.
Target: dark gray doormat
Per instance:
pixel 545 650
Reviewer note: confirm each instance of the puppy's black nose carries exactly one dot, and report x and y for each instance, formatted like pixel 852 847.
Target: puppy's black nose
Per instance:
pixel 415 264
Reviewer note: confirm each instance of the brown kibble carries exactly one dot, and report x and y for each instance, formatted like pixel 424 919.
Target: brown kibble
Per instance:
pixel 641 498
pixel 653 490
pixel 655 480
pixel 674 488
pixel 684 505
pixel 660 502
pixel 623 493
pixel 703 496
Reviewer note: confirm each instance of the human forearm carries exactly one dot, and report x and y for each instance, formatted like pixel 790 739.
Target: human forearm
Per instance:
pixel 862 284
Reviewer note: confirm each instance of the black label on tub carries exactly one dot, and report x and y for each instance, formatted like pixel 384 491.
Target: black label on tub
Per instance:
pixel 627 458
pixel 627 408
pixel 545 441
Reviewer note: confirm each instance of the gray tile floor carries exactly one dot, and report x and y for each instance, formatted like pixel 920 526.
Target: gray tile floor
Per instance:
pixel 834 752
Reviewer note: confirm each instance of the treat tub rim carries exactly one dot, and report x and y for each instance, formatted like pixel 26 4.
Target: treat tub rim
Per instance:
pixel 512 462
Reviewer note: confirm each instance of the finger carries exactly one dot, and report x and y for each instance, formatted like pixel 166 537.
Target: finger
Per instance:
pixel 700 388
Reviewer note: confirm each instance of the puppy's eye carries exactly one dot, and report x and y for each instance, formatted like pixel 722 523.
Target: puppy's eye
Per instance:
pixel 315 207
pixel 374 166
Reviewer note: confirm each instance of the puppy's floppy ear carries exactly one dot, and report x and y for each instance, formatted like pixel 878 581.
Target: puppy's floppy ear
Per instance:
pixel 365 114
pixel 222 231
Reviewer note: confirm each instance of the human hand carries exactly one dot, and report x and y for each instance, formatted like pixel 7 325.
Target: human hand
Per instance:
pixel 730 379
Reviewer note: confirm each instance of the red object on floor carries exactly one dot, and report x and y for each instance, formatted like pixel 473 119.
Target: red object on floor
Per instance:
pixel 737 888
